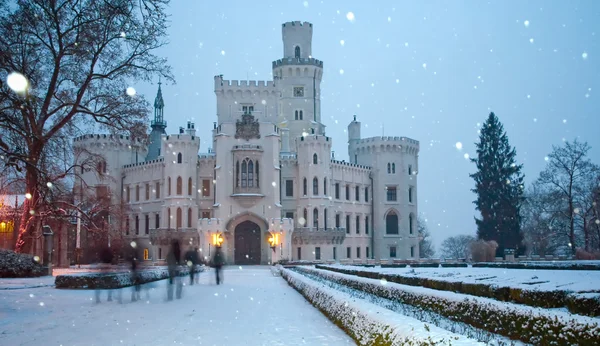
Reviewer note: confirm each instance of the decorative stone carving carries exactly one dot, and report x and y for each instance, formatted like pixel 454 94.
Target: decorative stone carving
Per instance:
pixel 247 128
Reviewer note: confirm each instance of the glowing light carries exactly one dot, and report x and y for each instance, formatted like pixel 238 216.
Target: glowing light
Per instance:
pixel 49 184
pixel 17 82
pixel 28 195
pixel 133 244
pixel 458 145
pixel 130 91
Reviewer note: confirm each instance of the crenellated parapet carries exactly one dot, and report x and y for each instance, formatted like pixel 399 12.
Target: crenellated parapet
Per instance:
pixel 96 140
pixel 134 167
pixel 343 164
pixel 285 225
pixel 388 144
pixel 243 86
pixel 297 61
pixel 314 140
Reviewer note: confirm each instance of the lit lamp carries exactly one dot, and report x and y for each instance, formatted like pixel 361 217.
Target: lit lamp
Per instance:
pixel 273 241
pixel 217 239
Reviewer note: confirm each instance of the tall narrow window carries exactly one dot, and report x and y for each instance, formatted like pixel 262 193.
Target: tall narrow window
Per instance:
pixel 156 221
pixel 410 195
pixel 347 224
pixel 179 158
pixel 169 186
pixel 305 214
pixel 366 194
pixel 169 218
pixel 325 218
pixel 128 194
pixel 315 186
pixel 305 187
pixel 366 224
pixel 189 218
pixel 179 186
pixel 289 188
pixel 137 224
pixel 337 220
pixel 296 115
pixel 179 217
pixel 157 188
pixel 337 190
pixel 257 176
pixel 347 192
pixel 237 174
pixel 391 193
pixel 147 223
pixel 317 253
pixel 127 226
pixel 147 190
pixel 410 170
pixel 190 186
pixel 315 159
pixel 391 223
pixel 137 193
pixel 316 218
pixel 357 193
pixel 244 173
pixel 250 173
pixel 410 224
pixel 297 52
pixel 393 168
pixel 389 167
pixel 357 224
pixel 324 186
pixel 301 115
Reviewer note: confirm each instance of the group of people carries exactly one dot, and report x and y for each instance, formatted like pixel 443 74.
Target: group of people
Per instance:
pixel 175 261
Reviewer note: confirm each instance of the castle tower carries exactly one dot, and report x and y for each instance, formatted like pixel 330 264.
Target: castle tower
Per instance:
pixel 298 77
pixel 158 127
pixel 353 139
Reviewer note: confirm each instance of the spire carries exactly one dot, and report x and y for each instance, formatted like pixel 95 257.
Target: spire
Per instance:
pixel 159 105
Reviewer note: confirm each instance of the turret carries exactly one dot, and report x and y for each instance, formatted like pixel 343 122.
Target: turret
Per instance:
pixel 158 127
pixel 353 139
pixel 297 39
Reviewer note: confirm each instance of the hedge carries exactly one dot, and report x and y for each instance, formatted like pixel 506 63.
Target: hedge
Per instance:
pixel 369 324
pixel 527 324
pixel 114 280
pixel 17 265
pixel 543 299
pixel 539 265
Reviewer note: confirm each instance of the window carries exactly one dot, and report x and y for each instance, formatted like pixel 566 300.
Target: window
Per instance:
pixel 366 195
pixel 206 214
pixel 305 215
pixel 146 252
pixel 325 218
pixel 160 253
pixel 137 193
pixel 237 174
pixel 247 109
pixel 157 221
pixel 324 186
pixel 366 225
pixel 347 224
pixel 305 187
pixel 179 158
pixel 205 188
pixel 391 223
pixel 289 215
pixel 157 188
pixel 393 168
pixel 127 226
pixel 179 186
pixel 337 190
pixel 410 170
pixel 299 253
pixel 137 224
pixel 316 218
pixel 358 252
pixel 298 114
pixel 169 186
pixel 147 191
pixel 179 217
pixel 347 192
pixel 410 195
pixel 412 251
pixel 357 224
pixel 391 193
pixel 298 91
pixel 410 224
pixel 189 218
pixel 337 220
pixel 317 253
pixel 357 193
pixel 289 188
pixel 147 224
pixel 315 159
pixel 348 252
pixel 169 217
pixel 392 252
pixel 297 52
pixel 315 186
pixel 249 176
pixel 334 252
pixel 367 252
pixel 190 186
pixel 128 192
pixel 389 168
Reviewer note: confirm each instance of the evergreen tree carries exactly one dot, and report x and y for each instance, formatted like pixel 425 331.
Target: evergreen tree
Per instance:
pixel 499 188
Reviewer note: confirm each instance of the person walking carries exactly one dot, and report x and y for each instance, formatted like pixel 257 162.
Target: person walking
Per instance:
pixel 218 261
pixel 173 261
pixel 192 260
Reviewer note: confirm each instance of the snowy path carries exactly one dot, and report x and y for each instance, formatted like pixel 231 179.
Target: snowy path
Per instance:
pixel 251 308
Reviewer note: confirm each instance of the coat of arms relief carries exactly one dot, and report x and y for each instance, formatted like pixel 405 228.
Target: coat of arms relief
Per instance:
pixel 247 128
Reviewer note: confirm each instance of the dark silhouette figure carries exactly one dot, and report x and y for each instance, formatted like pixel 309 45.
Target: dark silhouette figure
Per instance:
pixel 192 260
pixel 218 261
pixel 173 261
pixel 106 258
pixel 135 277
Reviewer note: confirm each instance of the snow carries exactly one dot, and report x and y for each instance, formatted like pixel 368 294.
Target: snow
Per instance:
pixel 531 279
pixel 22 283
pixel 253 307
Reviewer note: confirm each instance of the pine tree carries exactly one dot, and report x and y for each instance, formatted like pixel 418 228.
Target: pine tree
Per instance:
pixel 499 188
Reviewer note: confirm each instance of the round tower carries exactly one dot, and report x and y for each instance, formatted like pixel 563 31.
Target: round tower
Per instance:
pixel 298 78
pixel 353 139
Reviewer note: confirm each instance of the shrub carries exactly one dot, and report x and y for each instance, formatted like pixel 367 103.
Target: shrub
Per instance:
pixel 17 265
pixel 581 254
pixel 483 251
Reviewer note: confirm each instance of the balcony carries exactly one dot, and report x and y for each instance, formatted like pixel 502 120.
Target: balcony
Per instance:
pixel 314 235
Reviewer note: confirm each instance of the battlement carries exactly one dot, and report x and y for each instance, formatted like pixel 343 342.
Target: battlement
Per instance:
pixel 349 164
pixel 314 138
pixel 296 23
pixel 221 83
pixel 180 137
pixel 383 143
pixel 297 61
pixel 106 137
pixel 145 163
pixel 389 140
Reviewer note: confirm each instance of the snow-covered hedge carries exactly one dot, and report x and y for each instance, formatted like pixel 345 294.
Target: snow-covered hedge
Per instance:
pixel 16 265
pixel 529 324
pixel 115 280
pixel 558 265
pixel 545 299
pixel 367 323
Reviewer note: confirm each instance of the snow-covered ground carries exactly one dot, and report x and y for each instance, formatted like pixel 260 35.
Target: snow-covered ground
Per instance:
pixel 543 280
pixel 253 307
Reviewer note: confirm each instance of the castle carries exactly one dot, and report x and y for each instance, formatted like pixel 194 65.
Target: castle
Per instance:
pixel 270 188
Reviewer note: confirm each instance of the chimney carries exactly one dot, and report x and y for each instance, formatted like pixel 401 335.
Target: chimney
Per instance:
pixel 190 129
pixel 181 130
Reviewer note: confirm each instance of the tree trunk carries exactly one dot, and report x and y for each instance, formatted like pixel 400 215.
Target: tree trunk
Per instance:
pixel 586 234
pixel 28 225
pixel 572 225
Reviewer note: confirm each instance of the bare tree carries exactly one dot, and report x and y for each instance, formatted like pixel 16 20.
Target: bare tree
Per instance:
pixel 457 246
pixel 78 58
pixel 585 202
pixel 542 220
pixel 426 249
pixel 567 171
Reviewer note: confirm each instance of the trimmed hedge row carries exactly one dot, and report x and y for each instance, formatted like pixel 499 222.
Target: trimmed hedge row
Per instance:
pixel 542 299
pixel 18 265
pixel 528 324
pixel 115 280
pixel 370 326
pixel 538 265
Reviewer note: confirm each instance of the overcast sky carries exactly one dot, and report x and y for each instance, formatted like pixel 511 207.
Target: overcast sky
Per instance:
pixel 428 70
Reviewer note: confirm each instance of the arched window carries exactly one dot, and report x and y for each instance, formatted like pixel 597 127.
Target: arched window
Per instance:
pixel 316 218
pixel 179 217
pixel 179 186
pixel 305 215
pixel 189 218
pixel 315 186
pixel 324 186
pixel 137 193
pixel 250 173
pixel 391 223
pixel 169 187
pixel 244 173
pixel 179 158
pixel 315 159
pixel 410 195
pixel 169 218
pixel 237 174
pixel 305 187
pixel 257 175
pixel 296 115
pixel 250 176
pixel 301 115
pixel 325 218
pixel 297 52
pixel 190 186
pixel 389 168
pixel 409 170
pixel 410 224
pixel 337 221
pixel 393 168
pixel 366 194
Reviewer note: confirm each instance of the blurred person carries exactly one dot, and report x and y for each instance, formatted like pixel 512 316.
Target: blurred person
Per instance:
pixel 218 261
pixel 192 260
pixel 106 258
pixel 173 262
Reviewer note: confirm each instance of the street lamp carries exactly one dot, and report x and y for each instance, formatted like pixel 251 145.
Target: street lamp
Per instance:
pixel 273 240
pixel 217 239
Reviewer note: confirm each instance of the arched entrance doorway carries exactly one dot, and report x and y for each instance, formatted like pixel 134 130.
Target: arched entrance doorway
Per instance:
pixel 247 243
